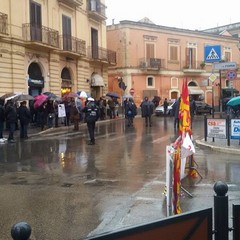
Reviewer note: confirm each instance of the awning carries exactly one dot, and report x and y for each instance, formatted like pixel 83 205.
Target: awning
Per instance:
pixel 97 81
pixel 196 91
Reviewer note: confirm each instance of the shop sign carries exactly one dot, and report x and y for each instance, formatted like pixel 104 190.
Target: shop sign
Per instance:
pixel 216 128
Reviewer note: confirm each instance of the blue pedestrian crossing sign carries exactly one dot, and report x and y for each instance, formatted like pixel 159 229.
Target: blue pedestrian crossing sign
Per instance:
pixel 212 53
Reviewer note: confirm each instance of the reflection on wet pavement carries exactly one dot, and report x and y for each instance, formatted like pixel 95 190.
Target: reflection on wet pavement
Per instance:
pixel 67 189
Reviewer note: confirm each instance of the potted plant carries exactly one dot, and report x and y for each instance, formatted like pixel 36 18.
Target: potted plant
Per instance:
pixel 202 65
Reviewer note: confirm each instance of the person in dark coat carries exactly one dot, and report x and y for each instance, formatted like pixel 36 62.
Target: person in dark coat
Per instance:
pixel 175 112
pixel 2 117
pixel 147 108
pixel 130 111
pixel 165 106
pixel 92 114
pixel 24 116
pixel 192 106
pixel 11 119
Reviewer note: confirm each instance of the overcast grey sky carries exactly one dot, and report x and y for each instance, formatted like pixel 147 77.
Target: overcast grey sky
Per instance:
pixel 188 14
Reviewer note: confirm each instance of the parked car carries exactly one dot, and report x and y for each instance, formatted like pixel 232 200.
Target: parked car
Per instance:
pixel 202 107
pixel 159 111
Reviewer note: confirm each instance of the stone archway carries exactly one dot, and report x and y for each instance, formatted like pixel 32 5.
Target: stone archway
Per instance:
pixel 35 80
pixel 66 85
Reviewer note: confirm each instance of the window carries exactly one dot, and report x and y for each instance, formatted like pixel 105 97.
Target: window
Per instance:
pixel 35 21
pixel 173 53
pixel 191 58
pixel 67 33
pixel 94 42
pixel 150 82
pixel 174 82
pixel 150 50
pixel 173 50
pixel 227 56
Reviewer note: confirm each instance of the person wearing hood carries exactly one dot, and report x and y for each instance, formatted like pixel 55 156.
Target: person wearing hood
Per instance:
pixel 91 111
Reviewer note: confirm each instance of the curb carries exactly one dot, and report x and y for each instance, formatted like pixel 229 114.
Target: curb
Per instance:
pixel 224 149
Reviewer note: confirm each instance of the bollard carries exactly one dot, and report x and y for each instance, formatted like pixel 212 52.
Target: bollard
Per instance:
pixel 21 231
pixel 221 211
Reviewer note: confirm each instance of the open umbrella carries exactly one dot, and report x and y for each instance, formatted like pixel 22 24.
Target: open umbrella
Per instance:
pixel 23 97
pixel 127 96
pixel 82 94
pixel 52 96
pixel 234 101
pixel 8 95
pixel 39 100
pixel 113 94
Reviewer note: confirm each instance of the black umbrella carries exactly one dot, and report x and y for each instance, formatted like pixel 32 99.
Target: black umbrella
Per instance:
pixel 113 94
pixel 52 96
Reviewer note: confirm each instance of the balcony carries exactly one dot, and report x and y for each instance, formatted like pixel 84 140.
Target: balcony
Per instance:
pixel 40 35
pixel 151 63
pixel 72 3
pixel 194 67
pixel 96 10
pixel 3 23
pixel 72 45
pixel 102 54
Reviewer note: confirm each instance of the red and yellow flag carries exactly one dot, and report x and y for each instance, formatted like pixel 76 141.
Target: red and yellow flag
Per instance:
pixel 184 111
pixel 176 181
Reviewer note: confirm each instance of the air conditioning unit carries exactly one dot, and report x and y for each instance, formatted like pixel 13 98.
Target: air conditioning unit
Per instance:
pixel 143 64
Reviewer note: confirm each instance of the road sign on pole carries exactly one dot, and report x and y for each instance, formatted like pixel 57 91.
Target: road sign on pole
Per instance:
pixel 212 53
pixel 224 65
pixel 212 77
pixel 231 75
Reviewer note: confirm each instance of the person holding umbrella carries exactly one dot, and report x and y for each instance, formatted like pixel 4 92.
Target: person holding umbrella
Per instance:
pixel 147 111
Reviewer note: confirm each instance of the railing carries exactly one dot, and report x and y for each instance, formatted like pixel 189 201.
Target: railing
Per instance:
pixel 151 63
pixel 199 65
pixel 3 23
pixel 40 34
pixel 72 3
pixel 95 6
pixel 72 44
pixel 197 225
pixel 98 53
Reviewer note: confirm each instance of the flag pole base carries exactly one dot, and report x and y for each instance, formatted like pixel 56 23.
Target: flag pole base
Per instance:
pixel 187 192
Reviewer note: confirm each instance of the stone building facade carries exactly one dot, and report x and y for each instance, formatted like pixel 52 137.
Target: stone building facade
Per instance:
pixel 54 46
pixel 154 60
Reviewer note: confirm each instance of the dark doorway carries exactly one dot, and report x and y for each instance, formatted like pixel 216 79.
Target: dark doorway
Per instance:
pixel 36 80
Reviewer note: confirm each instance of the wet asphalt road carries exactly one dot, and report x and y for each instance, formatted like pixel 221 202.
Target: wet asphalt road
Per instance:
pixel 66 189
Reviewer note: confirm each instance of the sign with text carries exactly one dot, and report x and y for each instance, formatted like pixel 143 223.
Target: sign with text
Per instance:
pixel 224 65
pixel 216 128
pixel 235 128
pixel 61 110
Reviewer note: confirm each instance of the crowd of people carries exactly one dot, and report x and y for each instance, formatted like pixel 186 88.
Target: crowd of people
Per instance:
pixel 77 110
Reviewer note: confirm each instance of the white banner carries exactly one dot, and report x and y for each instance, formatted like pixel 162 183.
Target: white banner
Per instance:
pixel 61 110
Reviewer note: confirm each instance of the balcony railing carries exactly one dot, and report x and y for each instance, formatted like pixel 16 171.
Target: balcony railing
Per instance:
pixel 103 54
pixel 72 3
pixel 72 44
pixel 193 66
pixel 3 23
pixel 151 63
pixel 40 34
pixel 96 9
